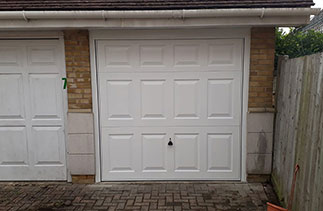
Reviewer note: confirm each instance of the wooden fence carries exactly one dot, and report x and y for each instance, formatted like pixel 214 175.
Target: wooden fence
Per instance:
pixel 298 135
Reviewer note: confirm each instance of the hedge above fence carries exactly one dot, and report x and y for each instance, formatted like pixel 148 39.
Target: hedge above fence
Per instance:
pixel 297 43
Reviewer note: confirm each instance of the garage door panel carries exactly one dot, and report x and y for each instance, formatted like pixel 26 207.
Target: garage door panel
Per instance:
pixel 219 152
pixel 11 95
pixel 153 99
pixel 154 152
pixel 10 56
pixel 13 146
pixel 120 99
pixel 120 152
pixel 43 58
pixel 46 101
pixel 223 151
pixel 225 54
pixel 187 99
pixel 187 152
pixel 221 98
pixel 187 54
pixel 48 146
pixel 118 56
pixel 41 55
pixel 153 56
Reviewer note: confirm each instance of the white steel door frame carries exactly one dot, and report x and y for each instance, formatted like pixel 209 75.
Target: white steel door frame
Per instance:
pixel 243 33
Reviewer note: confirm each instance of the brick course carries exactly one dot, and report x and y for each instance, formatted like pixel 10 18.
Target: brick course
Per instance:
pixel 77 56
pixel 262 54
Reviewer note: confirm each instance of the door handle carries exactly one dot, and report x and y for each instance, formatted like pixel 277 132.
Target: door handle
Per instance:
pixel 170 143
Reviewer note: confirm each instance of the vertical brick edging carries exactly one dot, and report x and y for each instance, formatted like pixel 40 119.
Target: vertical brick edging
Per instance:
pixel 77 58
pixel 262 59
pixel 79 94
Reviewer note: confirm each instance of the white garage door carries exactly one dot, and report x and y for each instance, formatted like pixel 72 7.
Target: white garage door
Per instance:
pixel 170 109
pixel 32 145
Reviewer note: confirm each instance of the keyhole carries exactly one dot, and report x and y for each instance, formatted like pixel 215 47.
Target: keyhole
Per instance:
pixel 170 143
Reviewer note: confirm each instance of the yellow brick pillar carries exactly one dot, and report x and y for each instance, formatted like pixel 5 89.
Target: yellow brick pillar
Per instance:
pixel 260 117
pixel 80 140
pixel 261 68
pixel 77 57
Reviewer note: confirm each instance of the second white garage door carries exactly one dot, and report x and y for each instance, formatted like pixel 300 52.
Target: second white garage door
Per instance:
pixel 170 109
pixel 32 140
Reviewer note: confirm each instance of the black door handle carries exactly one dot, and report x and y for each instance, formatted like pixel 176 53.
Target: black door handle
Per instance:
pixel 170 143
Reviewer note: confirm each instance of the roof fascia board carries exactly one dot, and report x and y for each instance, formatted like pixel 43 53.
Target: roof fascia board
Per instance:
pixel 157 14
pixel 156 23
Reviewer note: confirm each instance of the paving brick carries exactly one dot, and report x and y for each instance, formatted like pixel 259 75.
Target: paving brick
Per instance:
pixel 138 196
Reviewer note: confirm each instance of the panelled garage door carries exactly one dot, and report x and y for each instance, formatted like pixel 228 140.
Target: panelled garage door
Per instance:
pixel 170 109
pixel 32 145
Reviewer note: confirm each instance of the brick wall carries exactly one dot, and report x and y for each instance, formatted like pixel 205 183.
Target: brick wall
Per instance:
pixel 261 68
pixel 77 56
pixel 80 140
pixel 260 116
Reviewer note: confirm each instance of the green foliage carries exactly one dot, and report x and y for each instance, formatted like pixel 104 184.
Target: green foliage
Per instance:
pixel 297 43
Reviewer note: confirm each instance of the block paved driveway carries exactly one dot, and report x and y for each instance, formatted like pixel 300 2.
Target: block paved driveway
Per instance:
pixel 135 196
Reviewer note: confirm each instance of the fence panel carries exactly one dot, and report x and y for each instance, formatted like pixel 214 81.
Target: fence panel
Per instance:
pixel 299 131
